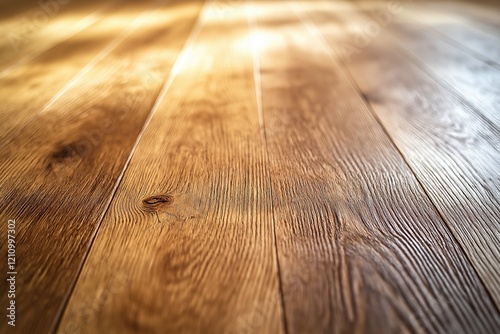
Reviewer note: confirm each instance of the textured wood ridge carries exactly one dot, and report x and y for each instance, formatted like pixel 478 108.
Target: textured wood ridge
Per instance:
pixel 257 166
pixel 461 175
pixel 355 219
pixel 73 155
pixel 196 202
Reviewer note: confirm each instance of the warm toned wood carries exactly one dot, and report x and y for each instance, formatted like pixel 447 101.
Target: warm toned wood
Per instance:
pixel 32 88
pixel 191 223
pixel 385 196
pixel 30 33
pixel 360 246
pixel 12 8
pixel 453 151
pixel 59 174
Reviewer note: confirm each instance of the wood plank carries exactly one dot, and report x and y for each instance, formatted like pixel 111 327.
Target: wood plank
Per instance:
pixel 453 29
pixel 452 22
pixel 361 248
pixel 191 220
pixel 24 36
pixel 474 80
pixel 59 69
pixel 453 151
pixel 58 176
pixel 485 14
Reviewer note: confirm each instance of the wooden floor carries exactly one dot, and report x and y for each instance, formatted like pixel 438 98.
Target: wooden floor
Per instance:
pixel 250 166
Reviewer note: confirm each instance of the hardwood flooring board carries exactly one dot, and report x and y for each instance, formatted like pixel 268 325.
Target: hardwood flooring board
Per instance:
pixel 461 71
pixel 453 29
pixel 58 176
pixel 484 14
pixel 361 248
pixel 472 36
pixel 59 69
pixel 453 151
pixel 191 222
pixel 477 82
pixel 24 36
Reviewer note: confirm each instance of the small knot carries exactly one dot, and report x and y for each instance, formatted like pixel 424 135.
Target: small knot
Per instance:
pixel 157 200
pixel 63 153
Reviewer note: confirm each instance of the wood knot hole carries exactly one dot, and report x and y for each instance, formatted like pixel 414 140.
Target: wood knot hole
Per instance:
pixel 157 200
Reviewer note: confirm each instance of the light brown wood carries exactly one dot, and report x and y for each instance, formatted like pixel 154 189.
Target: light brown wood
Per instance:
pixel 361 248
pixel 44 25
pixel 265 167
pixel 60 68
pixel 59 174
pixel 453 151
pixel 192 218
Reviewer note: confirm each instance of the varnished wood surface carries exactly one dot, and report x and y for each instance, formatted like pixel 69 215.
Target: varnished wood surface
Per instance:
pixel 31 32
pixel 420 118
pixel 367 225
pixel 197 201
pixel 474 36
pixel 80 53
pixel 252 166
pixel 74 153
pixel 474 80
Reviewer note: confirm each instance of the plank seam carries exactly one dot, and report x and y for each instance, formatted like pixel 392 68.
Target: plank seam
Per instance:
pixel 89 66
pixel 88 21
pixel 448 88
pixel 258 95
pixel 372 111
pixel 454 43
pixel 187 45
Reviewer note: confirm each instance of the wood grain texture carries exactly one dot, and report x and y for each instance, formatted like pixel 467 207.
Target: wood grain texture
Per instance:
pixel 31 89
pixel 475 81
pixel 304 167
pixel 73 156
pixel 361 248
pixel 455 22
pixel 468 35
pixel 453 151
pixel 191 223
pixel 44 25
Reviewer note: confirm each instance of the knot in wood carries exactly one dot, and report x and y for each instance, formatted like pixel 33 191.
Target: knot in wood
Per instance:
pixel 157 201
